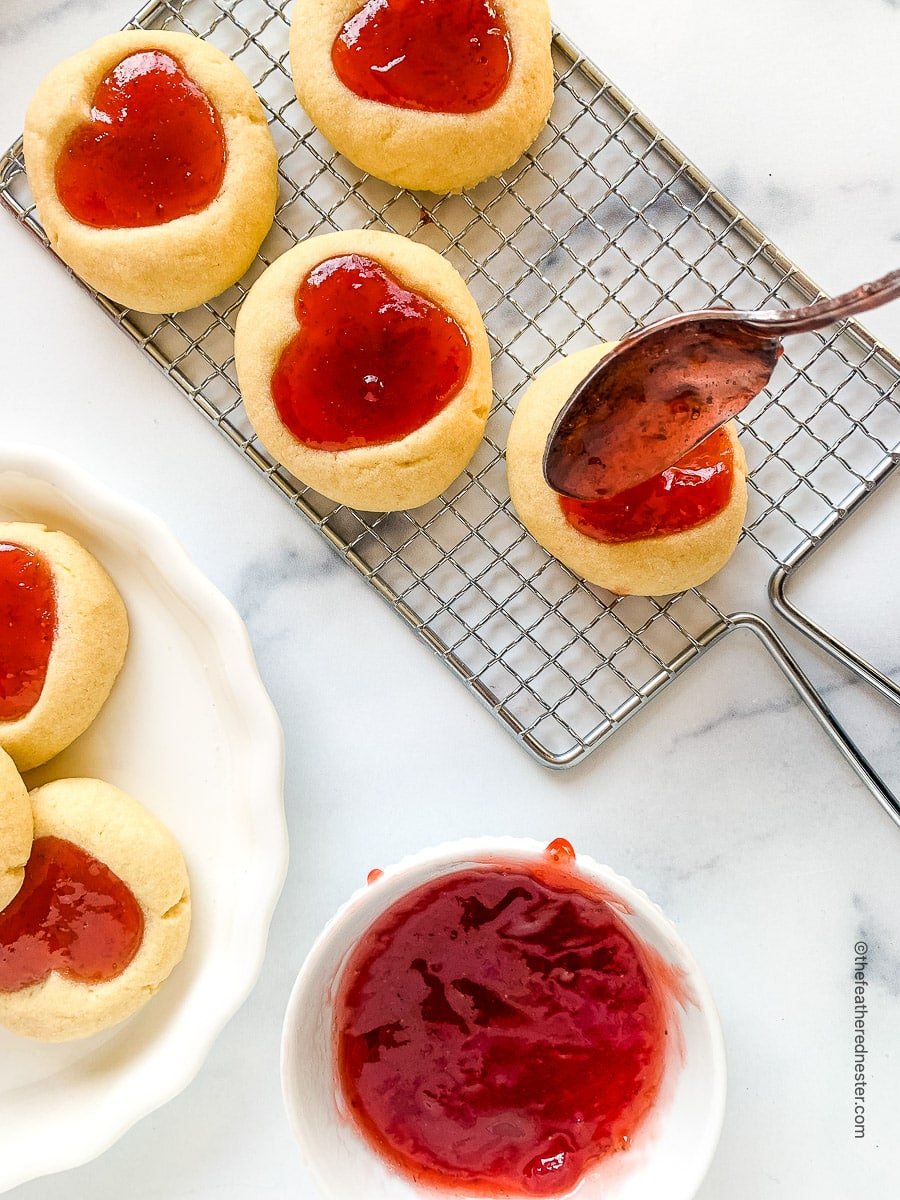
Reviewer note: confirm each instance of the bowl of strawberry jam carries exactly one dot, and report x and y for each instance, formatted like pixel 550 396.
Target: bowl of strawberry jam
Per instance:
pixel 501 1018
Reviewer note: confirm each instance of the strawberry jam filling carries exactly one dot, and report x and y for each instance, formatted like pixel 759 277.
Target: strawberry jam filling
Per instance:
pixel 71 915
pixel 440 56
pixel 372 361
pixel 153 151
pixel 499 1030
pixel 689 494
pixel 27 627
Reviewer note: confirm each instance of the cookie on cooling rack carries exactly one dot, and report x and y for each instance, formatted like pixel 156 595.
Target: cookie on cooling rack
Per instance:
pixel 434 95
pixel 63 636
pixel 107 889
pixel 153 169
pixel 365 368
pixel 15 829
pixel 668 534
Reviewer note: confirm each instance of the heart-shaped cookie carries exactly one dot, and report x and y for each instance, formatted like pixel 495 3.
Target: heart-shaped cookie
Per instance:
pixel 365 368
pixel 152 166
pixel 450 56
pixel 63 636
pixel 153 151
pixel 372 362
pixel 668 536
pixel 15 829
pixel 429 95
pixel 102 916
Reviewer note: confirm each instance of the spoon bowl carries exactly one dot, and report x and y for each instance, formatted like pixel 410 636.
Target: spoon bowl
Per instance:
pixel 665 389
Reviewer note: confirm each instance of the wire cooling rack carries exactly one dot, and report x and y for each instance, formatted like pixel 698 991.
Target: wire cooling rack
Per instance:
pixel 602 227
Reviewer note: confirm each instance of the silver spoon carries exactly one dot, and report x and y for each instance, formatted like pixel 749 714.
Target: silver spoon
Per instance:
pixel 664 389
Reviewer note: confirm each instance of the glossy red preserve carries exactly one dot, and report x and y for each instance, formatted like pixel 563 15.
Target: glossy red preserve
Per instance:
pixel 450 56
pixel 372 361
pixel 500 1030
pixel 71 915
pixel 154 151
pixel 692 492
pixel 27 626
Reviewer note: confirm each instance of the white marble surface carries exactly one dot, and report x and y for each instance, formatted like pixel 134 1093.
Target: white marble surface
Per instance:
pixel 723 800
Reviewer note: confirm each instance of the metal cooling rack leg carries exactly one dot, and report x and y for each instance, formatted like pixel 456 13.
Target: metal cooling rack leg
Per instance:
pixel 821 712
pixel 883 684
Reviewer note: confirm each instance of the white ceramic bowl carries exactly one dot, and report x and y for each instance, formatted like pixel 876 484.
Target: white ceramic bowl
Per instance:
pixel 672 1149
pixel 189 731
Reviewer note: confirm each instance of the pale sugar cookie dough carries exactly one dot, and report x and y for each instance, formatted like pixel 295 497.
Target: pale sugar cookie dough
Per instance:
pixel 653 566
pixel 90 637
pixel 392 475
pixel 180 263
pixel 110 827
pixel 425 150
pixel 15 829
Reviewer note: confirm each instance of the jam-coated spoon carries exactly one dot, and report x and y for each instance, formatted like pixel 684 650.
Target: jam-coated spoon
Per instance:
pixel 664 389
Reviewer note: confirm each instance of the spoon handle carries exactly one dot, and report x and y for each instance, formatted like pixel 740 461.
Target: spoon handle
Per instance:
pixel 825 312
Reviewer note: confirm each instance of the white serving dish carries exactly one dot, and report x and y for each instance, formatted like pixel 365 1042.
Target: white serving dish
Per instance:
pixel 672 1150
pixel 190 731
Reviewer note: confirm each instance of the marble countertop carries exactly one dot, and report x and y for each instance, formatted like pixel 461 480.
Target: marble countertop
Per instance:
pixel 723 800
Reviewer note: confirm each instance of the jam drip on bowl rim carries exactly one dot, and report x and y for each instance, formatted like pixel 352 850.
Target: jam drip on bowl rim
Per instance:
pixel 499 1030
pixel 153 151
pixel 692 492
pixel 437 56
pixel 27 628
pixel 72 915
pixel 372 361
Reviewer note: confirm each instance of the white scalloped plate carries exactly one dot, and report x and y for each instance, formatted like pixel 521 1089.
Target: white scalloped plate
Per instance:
pixel 190 731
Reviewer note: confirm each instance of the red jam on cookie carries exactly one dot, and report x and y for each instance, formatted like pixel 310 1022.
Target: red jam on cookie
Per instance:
pixel 438 56
pixel 689 494
pixel 72 915
pixel 372 362
pixel 500 1030
pixel 27 626
pixel 154 151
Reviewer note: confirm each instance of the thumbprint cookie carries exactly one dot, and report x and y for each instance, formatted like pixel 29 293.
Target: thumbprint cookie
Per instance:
pixel 15 829
pixel 63 636
pixel 434 95
pixel 365 369
pixel 153 169
pixel 666 535
pixel 101 919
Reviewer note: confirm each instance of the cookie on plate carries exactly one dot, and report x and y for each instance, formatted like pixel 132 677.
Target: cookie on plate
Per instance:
pixel 666 535
pixel 365 369
pixel 153 169
pixel 63 637
pixel 15 829
pixel 434 95
pixel 106 892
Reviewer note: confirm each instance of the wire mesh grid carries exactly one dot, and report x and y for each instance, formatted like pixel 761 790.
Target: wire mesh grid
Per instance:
pixel 601 228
